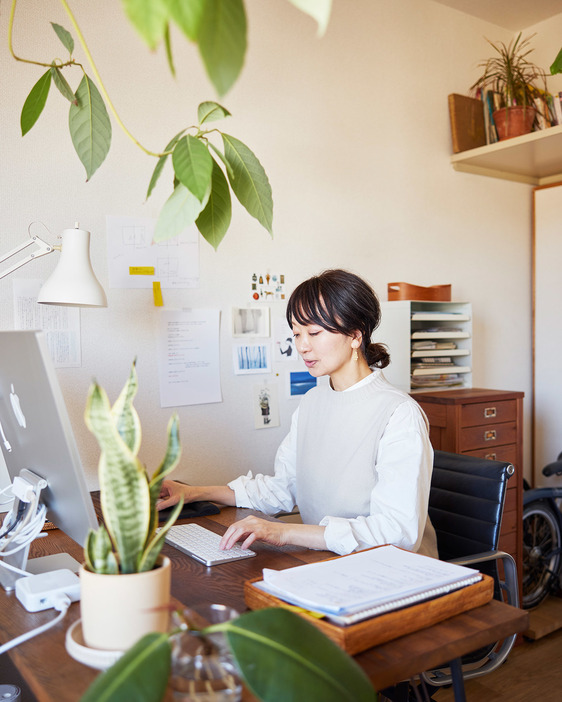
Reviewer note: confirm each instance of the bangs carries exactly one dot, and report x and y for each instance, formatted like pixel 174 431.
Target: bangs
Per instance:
pixel 308 306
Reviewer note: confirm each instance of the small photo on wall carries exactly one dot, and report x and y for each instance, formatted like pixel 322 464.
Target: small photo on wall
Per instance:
pixel 251 358
pixel 250 321
pixel 266 406
pixel 284 342
pixel 300 382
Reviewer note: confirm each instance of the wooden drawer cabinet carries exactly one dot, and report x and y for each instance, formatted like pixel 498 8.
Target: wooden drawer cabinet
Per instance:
pixel 487 424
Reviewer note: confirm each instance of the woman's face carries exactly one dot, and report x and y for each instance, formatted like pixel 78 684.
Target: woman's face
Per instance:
pixel 323 352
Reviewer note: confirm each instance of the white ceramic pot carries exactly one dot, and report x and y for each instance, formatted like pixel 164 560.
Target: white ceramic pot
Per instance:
pixel 117 610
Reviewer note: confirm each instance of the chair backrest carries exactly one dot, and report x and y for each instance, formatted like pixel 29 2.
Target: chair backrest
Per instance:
pixel 466 503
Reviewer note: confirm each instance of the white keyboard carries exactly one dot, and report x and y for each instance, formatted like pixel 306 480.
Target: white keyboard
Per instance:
pixel 203 545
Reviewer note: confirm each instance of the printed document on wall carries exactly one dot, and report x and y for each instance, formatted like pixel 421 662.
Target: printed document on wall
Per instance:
pixel 189 357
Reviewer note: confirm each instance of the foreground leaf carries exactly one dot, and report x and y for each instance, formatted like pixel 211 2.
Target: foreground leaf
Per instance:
pixel 180 210
pixel 149 17
pixel 249 181
pixel 35 102
pixel 214 220
pixel 282 658
pixel 318 9
pixel 187 15
pixel 90 128
pixel 64 36
pixel 193 165
pixel 557 65
pixel 141 674
pixel 222 41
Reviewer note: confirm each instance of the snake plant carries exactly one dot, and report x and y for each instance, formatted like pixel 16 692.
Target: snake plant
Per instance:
pixel 128 541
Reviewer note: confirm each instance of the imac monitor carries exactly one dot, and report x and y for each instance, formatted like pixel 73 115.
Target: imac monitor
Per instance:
pixel 36 434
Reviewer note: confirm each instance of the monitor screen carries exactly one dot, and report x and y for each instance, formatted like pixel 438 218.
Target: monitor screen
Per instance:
pixel 36 432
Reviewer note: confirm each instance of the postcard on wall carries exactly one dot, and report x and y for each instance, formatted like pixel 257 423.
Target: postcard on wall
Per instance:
pixel 60 324
pixel 251 358
pixel 300 382
pixel 134 261
pixel 266 405
pixel 283 341
pixel 250 321
pixel 188 358
pixel 268 287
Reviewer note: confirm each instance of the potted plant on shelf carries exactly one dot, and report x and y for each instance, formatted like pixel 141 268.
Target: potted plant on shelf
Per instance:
pixel 516 84
pixel 125 585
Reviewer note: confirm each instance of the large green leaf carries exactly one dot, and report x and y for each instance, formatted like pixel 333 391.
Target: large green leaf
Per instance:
pixel 214 221
pixel 90 128
pixel 284 658
pixel 317 9
pixel 98 552
pixel 64 36
pixel 160 164
pixel 35 102
pixel 149 17
pixel 187 15
pixel 222 41
pixel 124 414
pixel 193 165
pixel 557 65
pixel 140 675
pixel 180 210
pixel 62 84
pixel 210 111
pixel 249 181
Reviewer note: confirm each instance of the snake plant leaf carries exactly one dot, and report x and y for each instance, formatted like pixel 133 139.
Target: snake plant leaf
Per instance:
pixel 193 165
pixel 62 84
pixel 141 674
pixel 125 416
pixel 214 220
pixel 154 545
pixel 557 65
pixel 35 102
pixel 187 15
pixel 180 210
pixel 161 161
pixel 282 658
pixel 149 17
pixel 210 111
pixel 98 553
pixel 249 181
pixel 90 128
pixel 65 37
pixel 222 41
pixel 125 497
pixel 318 9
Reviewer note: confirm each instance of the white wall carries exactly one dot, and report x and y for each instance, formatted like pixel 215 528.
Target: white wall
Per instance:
pixel 353 132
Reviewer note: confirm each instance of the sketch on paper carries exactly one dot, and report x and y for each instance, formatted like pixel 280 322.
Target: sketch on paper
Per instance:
pixel 266 406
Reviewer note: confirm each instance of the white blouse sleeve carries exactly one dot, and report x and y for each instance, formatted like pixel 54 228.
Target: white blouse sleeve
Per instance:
pixel 271 493
pixel 398 506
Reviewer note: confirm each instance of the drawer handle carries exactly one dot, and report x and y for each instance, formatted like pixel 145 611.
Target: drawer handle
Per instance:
pixel 490 456
pixel 490 435
pixel 490 412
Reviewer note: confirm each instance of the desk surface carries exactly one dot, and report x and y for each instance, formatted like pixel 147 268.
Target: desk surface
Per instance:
pixel 53 676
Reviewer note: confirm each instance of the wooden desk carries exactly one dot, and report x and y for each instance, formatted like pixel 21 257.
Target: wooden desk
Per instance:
pixel 54 676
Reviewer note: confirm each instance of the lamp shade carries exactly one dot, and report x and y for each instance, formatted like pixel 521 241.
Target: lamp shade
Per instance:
pixel 73 281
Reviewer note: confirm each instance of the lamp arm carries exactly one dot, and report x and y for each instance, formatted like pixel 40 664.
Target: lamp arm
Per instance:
pixel 43 248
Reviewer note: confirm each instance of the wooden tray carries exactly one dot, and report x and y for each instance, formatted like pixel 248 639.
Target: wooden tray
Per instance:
pixel 407 291
pixel 371 632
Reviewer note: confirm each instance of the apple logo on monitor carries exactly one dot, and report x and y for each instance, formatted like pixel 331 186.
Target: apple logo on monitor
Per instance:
pixel 16 407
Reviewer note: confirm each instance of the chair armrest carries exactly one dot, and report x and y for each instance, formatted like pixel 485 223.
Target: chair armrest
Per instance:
pixel 511 583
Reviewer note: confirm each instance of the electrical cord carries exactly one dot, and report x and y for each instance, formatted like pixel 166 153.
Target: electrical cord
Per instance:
pixel 61 603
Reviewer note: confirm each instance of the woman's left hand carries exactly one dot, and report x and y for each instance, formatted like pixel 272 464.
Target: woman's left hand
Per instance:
pixel 254 529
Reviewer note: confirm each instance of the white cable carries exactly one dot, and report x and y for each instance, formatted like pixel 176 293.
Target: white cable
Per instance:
pixel 62 603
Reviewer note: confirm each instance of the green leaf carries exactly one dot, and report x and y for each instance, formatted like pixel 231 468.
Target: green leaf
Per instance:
pixel 214 220
pixel 141 674
pixel 222 41
pixel 249 181
pixel 125 416
pixel 149 17
pixel 210 111
pixel 180 211
pixel 64 88
pixel 98 552
pixel 282 658
pixel 160 164
pixel 187 15
pixel 64 36
pixel 317 9
pixel 169 55
pixel 35 102
pixel 90 127
pixel 557 65
pixel 193 165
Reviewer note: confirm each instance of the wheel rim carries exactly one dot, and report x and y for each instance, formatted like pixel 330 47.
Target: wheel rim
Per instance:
pixel 541 552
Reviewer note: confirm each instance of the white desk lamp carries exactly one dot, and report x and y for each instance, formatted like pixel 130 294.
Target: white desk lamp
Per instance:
pixel 73 281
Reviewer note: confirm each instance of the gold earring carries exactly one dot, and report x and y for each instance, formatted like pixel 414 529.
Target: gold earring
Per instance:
pixel 355 355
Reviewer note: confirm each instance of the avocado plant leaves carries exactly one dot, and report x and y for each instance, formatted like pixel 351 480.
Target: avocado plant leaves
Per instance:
pixel 65 37
pixel 35 102
pixel 210 111
pixel 180 210
pixel 90 128
pixel 187 15
pixel 214 220
pixel 149 17
pixel 62 84
pixel 317 9
pixel 161 161
pixel 193 165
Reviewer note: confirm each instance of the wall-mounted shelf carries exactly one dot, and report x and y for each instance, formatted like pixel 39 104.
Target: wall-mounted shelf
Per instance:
pixel 534 158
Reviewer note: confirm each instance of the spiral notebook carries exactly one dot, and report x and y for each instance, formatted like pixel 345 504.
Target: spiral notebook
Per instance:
pixel 366 584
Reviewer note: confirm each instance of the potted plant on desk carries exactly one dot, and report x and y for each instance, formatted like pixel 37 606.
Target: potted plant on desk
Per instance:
pixel 125 585
pixel 517 82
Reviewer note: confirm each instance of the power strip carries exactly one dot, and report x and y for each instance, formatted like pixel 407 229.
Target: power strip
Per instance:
pixel 46 590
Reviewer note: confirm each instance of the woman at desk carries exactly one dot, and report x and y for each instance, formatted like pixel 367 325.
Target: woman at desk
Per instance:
pixel 357 460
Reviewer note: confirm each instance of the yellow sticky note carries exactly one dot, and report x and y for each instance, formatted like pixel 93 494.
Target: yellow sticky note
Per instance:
pixel 157 292
pixel 141 270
